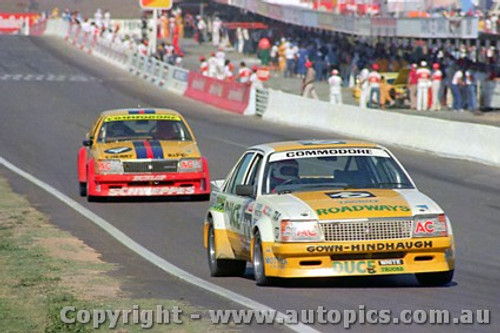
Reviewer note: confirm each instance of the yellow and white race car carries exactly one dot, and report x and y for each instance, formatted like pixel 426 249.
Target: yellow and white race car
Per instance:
pixel 141 152
pixel 324 208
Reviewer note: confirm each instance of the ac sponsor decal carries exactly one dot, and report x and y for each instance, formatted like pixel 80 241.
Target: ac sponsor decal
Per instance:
pixel 151 191
pixel 328 152
pixel 354 267
pixel 126 117
pixel 424 227
pixel 359 208
pixel 117 150
pixel 409 245
pixel 349 194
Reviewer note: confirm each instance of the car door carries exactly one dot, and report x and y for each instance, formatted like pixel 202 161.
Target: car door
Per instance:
pixel 235 206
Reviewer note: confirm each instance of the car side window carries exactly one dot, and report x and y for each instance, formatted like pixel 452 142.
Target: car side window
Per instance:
pixel 239 173
pixel 252 178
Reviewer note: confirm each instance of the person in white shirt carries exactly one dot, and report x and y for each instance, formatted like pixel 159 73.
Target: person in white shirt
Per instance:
pixel 216 25
pixel 254 79
pixel 423 84
pixel 335 82
pixel 107 19
pixel 212 65
pixel 436 80
pixel 244 73
pixel 364 88
pixel 241 40
pixel 221 62
pixel 374 83
pixel 202 29
pixel 290 61
pixel 456 89
pixel 228 71
pixel 203 66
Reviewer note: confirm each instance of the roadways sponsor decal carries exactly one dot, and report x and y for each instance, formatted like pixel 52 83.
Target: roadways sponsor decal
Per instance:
pixel 375 203
pixel 395 246
pixel 126 117
pixel 359 208
pixel 349 194
pixel 117 150
pixel 329 152
pixel 146 191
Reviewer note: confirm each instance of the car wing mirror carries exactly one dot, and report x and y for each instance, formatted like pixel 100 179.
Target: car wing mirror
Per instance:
pixel 245 190
pixel 87 143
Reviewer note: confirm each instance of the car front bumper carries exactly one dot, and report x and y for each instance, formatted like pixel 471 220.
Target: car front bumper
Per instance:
pixel 388 257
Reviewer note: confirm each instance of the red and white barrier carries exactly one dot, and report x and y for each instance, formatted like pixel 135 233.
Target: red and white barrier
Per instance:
pixel 231 96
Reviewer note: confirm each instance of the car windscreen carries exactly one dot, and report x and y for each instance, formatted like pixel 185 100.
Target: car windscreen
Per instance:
pixel 122 130
pixel 310 173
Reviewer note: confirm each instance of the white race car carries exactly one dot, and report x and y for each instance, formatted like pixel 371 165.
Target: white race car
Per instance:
pixel 323 209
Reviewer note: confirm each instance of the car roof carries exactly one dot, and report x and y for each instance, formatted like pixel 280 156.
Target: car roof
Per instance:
pixel 312 144
pixel 119 112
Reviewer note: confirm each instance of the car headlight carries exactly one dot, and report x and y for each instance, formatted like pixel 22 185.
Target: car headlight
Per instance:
pixel 300 231
pixel 190 165
pixel 109 166
pixel 430 226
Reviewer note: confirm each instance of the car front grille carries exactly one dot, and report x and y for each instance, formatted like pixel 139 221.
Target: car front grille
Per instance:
pixel 366 230
pixel 150 166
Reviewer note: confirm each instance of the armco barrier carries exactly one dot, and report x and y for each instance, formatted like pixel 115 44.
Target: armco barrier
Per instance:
pixel 231 96
pixel 450 138
pixel 177 79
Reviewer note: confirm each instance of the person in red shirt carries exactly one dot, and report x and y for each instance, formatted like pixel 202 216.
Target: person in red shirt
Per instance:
pixel 423 84
pixel 374 82
pixel 412 86
pixel 436 79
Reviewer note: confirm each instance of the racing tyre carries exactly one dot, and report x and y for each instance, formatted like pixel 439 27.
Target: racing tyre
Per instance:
pixel 259 270
pixel 435 279
pixel 222 267
pixel 83 189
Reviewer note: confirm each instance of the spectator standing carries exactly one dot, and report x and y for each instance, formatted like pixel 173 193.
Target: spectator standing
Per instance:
pixel 201 26
pixel 203 66
pixel 436 80
pixel 364 88
pixel 471 91
pixel 290 61
pixel 240 39
pixel 254 79
pixel 244 73
pixel 301 62
pixel 412 86
pixel 423 84
pixel 216 27
pixel 228 71
pixel 221 63
pixel 456 86
pixel 274 56
pixel 385 95
pixel 374 81
pixel 335 82
pixel 212 65
pixel 107 19
pixel 308 89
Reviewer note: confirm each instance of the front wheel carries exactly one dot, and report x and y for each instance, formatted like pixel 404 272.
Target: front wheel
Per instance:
pixel 222 267
pixel 83 189
pixel 435 279
pixel 259 270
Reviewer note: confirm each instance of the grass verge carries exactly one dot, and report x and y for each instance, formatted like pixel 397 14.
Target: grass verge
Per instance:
pixel 44 269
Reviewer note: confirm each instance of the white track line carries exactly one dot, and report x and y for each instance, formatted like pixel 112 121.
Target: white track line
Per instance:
pixel 150 256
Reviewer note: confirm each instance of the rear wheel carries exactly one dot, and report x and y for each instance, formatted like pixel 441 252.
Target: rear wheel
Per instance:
pixel 83 189
pixel 435 279
pixel 259 270
pixel 222 267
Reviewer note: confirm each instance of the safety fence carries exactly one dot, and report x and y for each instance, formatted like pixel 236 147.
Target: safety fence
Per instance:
pixel 444 137
pixel 231 96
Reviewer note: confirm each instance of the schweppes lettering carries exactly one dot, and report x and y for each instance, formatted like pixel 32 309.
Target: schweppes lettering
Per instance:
pixel 395 246
pixel 358 208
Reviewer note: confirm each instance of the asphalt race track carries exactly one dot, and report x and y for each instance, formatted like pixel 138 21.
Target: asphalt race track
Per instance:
pixel 50 93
